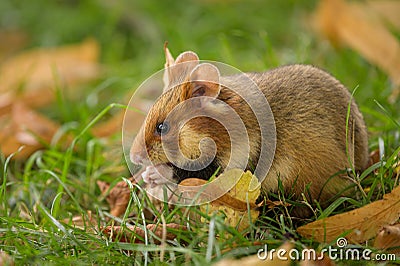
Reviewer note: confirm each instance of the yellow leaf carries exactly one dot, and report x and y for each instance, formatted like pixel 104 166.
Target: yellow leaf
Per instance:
pixel 25 127
pixel 11 41
pixel 389 239
pixel 242 191
pixel 356 25
pixel 246 189
pixel 32 76
pixel 360 224
pixel 387 9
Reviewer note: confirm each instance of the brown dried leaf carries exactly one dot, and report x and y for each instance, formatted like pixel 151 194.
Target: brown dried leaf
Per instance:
pixel 389 238
pixel 118 197
pixel 31 76
pixel 11 41
pixel 387 9
pixel 362 224
pixel 25 127
pixel 353 25
pixel 103 186
pixel 6 259
pixel 135 234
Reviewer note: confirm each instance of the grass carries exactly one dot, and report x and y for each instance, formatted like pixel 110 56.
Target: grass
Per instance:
pixel 39 196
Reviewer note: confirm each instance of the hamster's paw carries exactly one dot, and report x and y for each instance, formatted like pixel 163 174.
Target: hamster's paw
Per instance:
pixel 159 174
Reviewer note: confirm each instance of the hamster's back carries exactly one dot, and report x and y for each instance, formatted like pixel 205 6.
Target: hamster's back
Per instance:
pixel 310 110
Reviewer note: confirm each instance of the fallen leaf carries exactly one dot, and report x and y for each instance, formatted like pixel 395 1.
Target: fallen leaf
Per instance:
pixel 387 9
pixel 103 186
pixel 135 234
pixel 32 76
pixel 388 239
pixel 358 26
pixel 224 200
pixel 247 187
pixel 11 41
pixel 25 127
pixel 361 224
pixel 118 197
pixel 6 259
pixel 242 190
pixel 271 258
pixel 230 188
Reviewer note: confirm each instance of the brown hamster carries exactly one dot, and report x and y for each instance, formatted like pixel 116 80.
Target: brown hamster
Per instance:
pixel 309 109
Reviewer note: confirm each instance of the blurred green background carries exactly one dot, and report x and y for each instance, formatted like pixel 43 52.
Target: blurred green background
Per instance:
pixel 250 35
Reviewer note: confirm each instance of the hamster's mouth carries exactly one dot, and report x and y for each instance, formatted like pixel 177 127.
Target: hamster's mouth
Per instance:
pixel 169 171
pixel 205 173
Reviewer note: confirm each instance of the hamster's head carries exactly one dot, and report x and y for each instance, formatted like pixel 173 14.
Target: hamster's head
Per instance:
pixel 179 132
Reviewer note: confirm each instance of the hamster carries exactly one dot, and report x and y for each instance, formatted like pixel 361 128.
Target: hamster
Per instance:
pixel 309 109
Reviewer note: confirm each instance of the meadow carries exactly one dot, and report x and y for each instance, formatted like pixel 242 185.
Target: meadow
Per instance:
pixel 40 195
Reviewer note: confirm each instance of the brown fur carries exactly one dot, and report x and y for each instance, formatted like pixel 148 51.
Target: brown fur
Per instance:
pixel 309 108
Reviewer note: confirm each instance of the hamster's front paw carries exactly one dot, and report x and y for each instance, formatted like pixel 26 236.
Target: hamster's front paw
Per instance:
pixel 156 175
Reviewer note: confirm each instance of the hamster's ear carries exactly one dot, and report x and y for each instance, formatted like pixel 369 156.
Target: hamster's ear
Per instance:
pixel 177 71
pixel 186 56
pixel 204 81
pixel 169 61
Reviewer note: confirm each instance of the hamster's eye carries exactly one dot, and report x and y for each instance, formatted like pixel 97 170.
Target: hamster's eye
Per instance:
pixel 162 128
